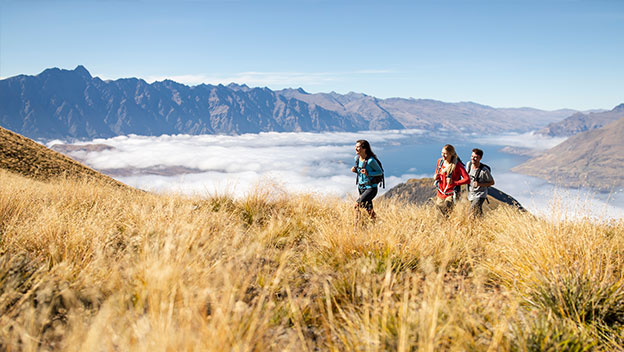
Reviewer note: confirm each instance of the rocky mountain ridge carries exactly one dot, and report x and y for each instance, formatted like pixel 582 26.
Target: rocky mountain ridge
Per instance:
pixel 71 104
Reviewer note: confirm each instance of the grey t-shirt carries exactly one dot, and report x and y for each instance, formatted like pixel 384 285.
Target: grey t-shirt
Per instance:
pixel 484 176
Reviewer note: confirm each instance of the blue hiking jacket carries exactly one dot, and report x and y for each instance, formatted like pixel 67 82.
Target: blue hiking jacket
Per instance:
pixel 373 169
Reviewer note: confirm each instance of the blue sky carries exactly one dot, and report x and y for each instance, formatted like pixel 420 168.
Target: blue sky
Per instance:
pixel 546 54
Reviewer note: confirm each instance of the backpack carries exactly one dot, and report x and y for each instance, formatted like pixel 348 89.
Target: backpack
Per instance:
pixel 373 180
pixel 457 189
pixel 481 166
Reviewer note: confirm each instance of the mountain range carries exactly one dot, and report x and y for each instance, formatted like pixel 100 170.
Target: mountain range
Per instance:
pixel 71 104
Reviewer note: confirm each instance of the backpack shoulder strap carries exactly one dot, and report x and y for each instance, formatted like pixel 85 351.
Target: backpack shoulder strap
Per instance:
pixel 440 164
pixel 357 163
pixel 482 166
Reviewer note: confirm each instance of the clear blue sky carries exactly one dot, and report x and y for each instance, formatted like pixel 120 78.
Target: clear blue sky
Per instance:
pixel 547 54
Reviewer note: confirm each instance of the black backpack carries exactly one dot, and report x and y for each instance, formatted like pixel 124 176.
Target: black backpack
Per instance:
pixel 457 189
pixel 373 180
pixel 481 166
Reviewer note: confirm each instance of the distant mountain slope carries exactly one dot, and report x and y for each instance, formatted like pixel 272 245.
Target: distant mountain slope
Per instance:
pixel 73 104
pixel 467 116
pixel 420 191
pixel 432 114
pixel 25 157
pixel 580 122
pixel 593 159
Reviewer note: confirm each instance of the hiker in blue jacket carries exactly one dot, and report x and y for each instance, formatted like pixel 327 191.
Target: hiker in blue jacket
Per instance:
pixel 366 167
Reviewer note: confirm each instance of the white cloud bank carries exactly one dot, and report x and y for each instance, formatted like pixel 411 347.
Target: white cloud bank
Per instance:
pixel 295 162
pixel 528 140
pixel 312 163
pixel 553 202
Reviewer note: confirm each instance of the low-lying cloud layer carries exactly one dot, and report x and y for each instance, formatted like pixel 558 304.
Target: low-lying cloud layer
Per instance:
pixel 307 163
pixel 527 140
pixel 294 162
pixel 546 200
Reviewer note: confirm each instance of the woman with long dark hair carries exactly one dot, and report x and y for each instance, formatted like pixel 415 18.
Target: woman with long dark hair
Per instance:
pixel 366 167
pixel 449 173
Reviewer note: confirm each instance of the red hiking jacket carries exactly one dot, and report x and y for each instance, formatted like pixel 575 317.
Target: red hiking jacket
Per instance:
pixel 459 177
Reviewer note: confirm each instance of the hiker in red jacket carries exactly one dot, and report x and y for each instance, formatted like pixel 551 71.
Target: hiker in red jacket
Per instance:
pixel 449 173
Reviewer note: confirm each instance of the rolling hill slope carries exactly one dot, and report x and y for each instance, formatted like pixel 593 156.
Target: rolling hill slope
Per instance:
pixel 28 158
pixel 592 159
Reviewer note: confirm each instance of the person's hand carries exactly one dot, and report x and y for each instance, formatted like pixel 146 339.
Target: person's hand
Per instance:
pixel 353 169
pixel 475 184
pixel 364 172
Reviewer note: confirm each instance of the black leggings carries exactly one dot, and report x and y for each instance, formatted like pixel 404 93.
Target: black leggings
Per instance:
pixel 366 197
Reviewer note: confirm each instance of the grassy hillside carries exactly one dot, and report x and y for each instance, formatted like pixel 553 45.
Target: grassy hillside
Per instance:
pixel 91 267
pixel 25 157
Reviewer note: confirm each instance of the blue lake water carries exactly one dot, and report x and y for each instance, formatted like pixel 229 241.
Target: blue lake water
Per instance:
pixel 419 155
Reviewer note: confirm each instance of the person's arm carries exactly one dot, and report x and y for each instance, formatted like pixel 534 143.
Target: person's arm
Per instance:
pixel 488 179
pixel 354 169
pixel 460 171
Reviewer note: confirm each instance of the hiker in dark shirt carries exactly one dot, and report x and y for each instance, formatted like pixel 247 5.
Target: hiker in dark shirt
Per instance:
pixel 366 167
pixel 480 179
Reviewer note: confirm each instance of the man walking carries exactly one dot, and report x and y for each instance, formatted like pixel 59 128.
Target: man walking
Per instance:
pixel 480 179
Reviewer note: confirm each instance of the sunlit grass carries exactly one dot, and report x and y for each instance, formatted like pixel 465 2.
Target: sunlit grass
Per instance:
pixel 85 266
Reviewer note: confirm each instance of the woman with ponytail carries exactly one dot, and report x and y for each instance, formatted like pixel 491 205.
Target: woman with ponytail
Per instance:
pixel 449 173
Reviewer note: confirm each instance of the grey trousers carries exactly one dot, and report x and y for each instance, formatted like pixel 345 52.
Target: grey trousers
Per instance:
pixel 476 207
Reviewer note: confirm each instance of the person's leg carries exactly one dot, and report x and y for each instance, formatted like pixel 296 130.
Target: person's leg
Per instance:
pixel 366 201
pixel 439 204
pixel 444 205
pixel 450 204
pixel 358 205
pixel 476 207
pixel 371 194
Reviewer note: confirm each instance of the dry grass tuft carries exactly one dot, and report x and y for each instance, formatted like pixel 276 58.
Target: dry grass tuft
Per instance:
pixel 86 266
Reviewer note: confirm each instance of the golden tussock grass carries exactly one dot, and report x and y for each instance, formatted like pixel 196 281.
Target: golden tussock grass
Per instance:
pixel 90 267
